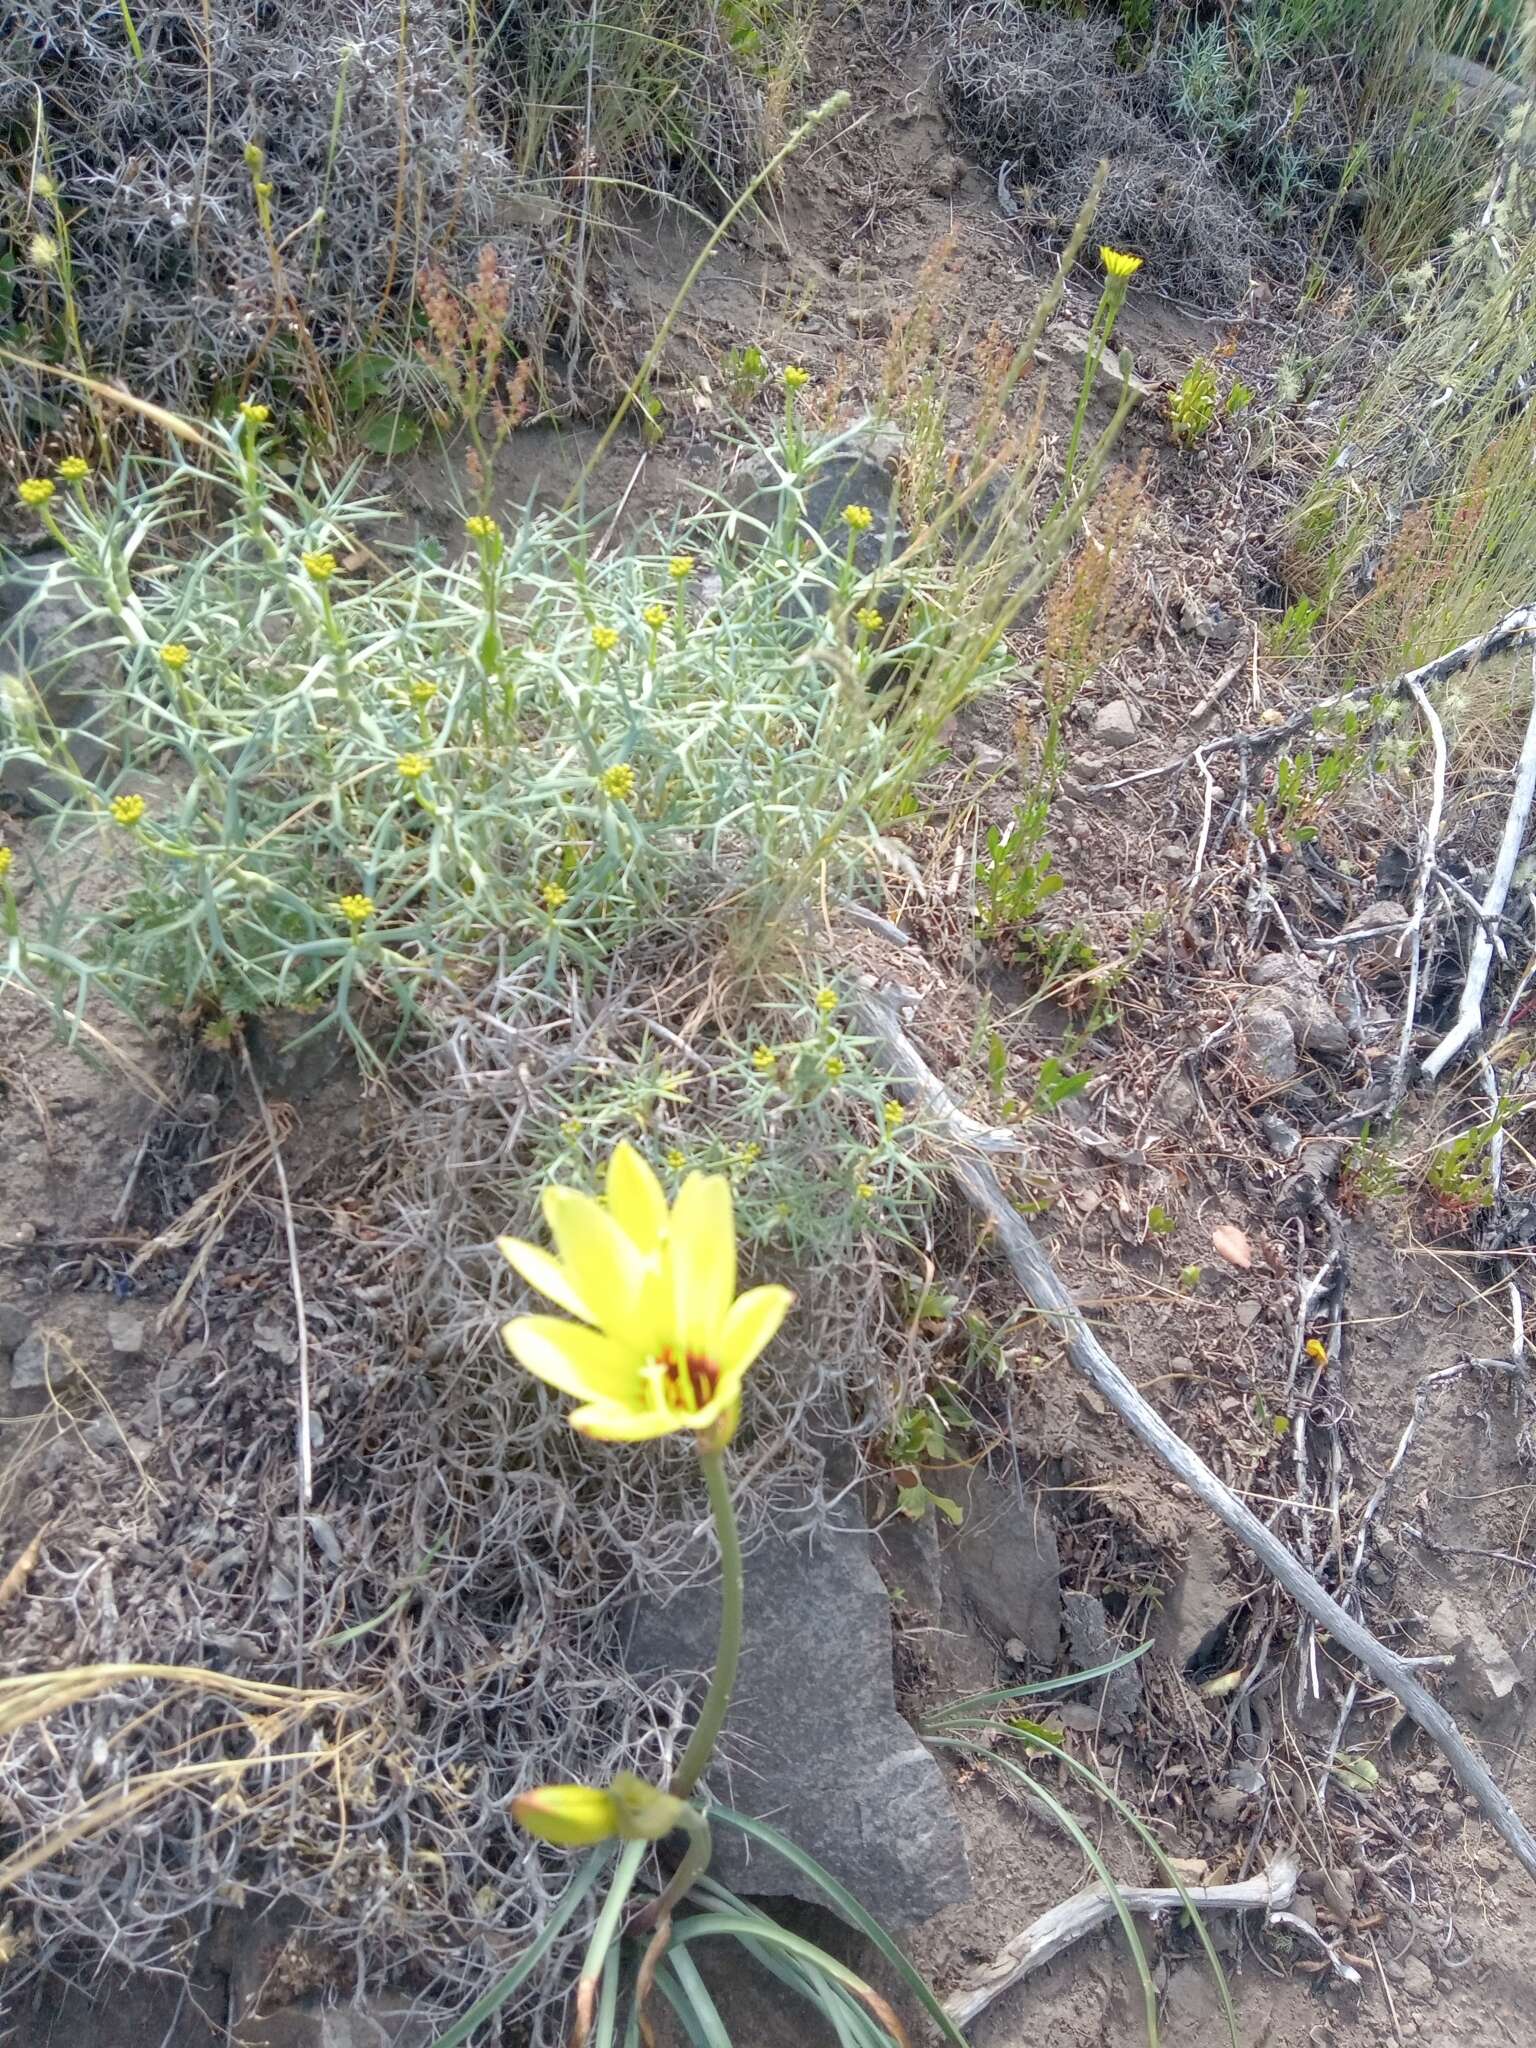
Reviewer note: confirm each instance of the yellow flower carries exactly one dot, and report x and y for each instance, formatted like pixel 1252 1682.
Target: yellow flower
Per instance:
pixel 572 1126
pixel 1118 263
pixel 422 692
pixel 319 565
pixel 552 894
pixel 570 1816
pixel 764 1058
pixel 865 1191
pixel 604 639
pixel 796 379
pixel 6 857
pixel 661 1341
pixel 355 909
pixel 895 1116
pixel 836 1068
pixel 750 1154
pixel 42 252
pixel 1316 1350
pixel 826 1000
pixel 656 616
pixel 858 518
pixel 680 567
pixel 175 655
pixel 479 527
pixel 618 782
pixel 411 767
pixel 127 810
pixel 258 415
pixel 34 490
pixel 677 1160
pixel 869 619
pixel 74 469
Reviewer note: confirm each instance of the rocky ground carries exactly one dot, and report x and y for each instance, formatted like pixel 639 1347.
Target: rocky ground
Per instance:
pixel 1226 1092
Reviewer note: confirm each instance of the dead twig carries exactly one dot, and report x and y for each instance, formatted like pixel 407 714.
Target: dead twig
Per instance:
pixel 1415 926
pixel 1044 1939
pixel 880 1022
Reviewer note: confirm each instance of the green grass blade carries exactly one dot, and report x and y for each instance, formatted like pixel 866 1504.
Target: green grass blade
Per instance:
pixel 712 2030
pixel 851 1911
pixel 1037 1689
pixel 531 1957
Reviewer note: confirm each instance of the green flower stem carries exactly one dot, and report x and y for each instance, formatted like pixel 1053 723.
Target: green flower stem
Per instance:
pixel 701 1744
pixel 626 1870
pixel 1110 302
pixel 687 1874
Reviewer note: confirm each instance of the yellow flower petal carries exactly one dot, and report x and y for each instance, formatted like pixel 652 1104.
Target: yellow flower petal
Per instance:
pixel 600 1261
pixel 575 1359
pixel 751 1324
pixel 702 1246
pixel 544 1274
pixel 570 1816
pixel 637 1201
pixel 611 1424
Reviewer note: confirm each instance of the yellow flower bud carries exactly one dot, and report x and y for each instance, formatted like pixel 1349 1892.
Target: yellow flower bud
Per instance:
pixel 570 1816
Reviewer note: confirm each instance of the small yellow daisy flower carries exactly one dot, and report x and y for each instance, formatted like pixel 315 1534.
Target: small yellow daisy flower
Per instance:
pixel 858 518
pixel 618 782
pixel 681 567
pixel 865 1191
pixel 572 1126
pixel 74 469
pixel 422 692
pixel 604 639
pixel 258 415
pixel 796 379
pixel 6 857
pixel 35 490
pixel 553 895
pixel 869 619
pixel 319 565
pixel 355 909
pixel 656 616
pixel 826 1000
pixel 677 1160
pixel 763 1058
pixel 836 1068
pixel 1118 263
pixel 411 767
pixel 895 1116
pixel 481 527
pixel 127 810
pixel 175 654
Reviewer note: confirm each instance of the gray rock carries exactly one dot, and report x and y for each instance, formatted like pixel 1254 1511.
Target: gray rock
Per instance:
pixel 125 1331
pixel 1268 1043
pixel 1418 1979
pixel 1200 1602
pixel 1117 1697
pixel 872 322
pixel 1484 1672
pixel 813 1741
pixel 1076 344
pixel 1374 934
pixel 1281 1140
pixel 15 1327
pixel 35 1362
pixel 1117 724
pixel 907 1558
pixel 384 2022
pixel 47 639
pixel 1292 987
pixel 1003 1565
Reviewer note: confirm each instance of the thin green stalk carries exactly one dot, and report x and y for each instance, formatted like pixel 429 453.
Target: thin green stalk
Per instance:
pixel 606 1927
pixel 701 1744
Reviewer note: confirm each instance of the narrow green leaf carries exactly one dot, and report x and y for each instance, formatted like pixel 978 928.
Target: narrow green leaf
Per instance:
pixel 531 1957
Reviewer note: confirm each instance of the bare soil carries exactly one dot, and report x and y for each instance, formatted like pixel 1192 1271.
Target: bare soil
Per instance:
pixel 1403 1881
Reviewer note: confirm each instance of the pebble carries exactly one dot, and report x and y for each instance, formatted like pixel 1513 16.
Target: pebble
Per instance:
pixel 15 1326
pixel 1269 1044
pixel 36 1362
pixel 873 322
pixel 1116 725
pixel 1248 1313
pixel 1281 1139
pixel 125 1332
pixel 1418 1980
pixel 1425 1783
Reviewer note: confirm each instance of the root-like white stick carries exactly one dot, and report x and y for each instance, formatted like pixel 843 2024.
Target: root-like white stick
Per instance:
pixel 1415 926
pixel 1271 1892
pixel 1469 1013
pixel 880 1023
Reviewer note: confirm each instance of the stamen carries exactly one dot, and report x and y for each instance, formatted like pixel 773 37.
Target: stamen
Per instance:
pixel 688 1384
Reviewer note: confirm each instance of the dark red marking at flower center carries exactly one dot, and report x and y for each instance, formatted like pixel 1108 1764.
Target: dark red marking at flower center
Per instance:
pixel 688 1384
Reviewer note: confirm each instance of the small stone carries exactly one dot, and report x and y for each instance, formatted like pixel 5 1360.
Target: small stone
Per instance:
pixel 946 177
pixel 1269 1044
pixel 1248 1313
pixel 1488 1860
pixel 873 322
pixel 1078 346
pixel 1282 1140
pixel 1014 1650
pixel 1425 1783
pixel 15 1327
pixel 1339 1892
pixel 1374 934
pixel 125 1331
pixel 1418 1980
pixel 36 1362
pixel 1116 724
pixel 102 1434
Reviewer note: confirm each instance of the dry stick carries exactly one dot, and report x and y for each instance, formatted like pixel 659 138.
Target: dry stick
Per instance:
pixel 879 1021
pixel 1415 926
pixel 1044 1939
pixel 1469 1014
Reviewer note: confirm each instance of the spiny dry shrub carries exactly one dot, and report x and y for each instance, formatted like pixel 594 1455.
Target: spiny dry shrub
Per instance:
pixel 390 137
pixel 1046 93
